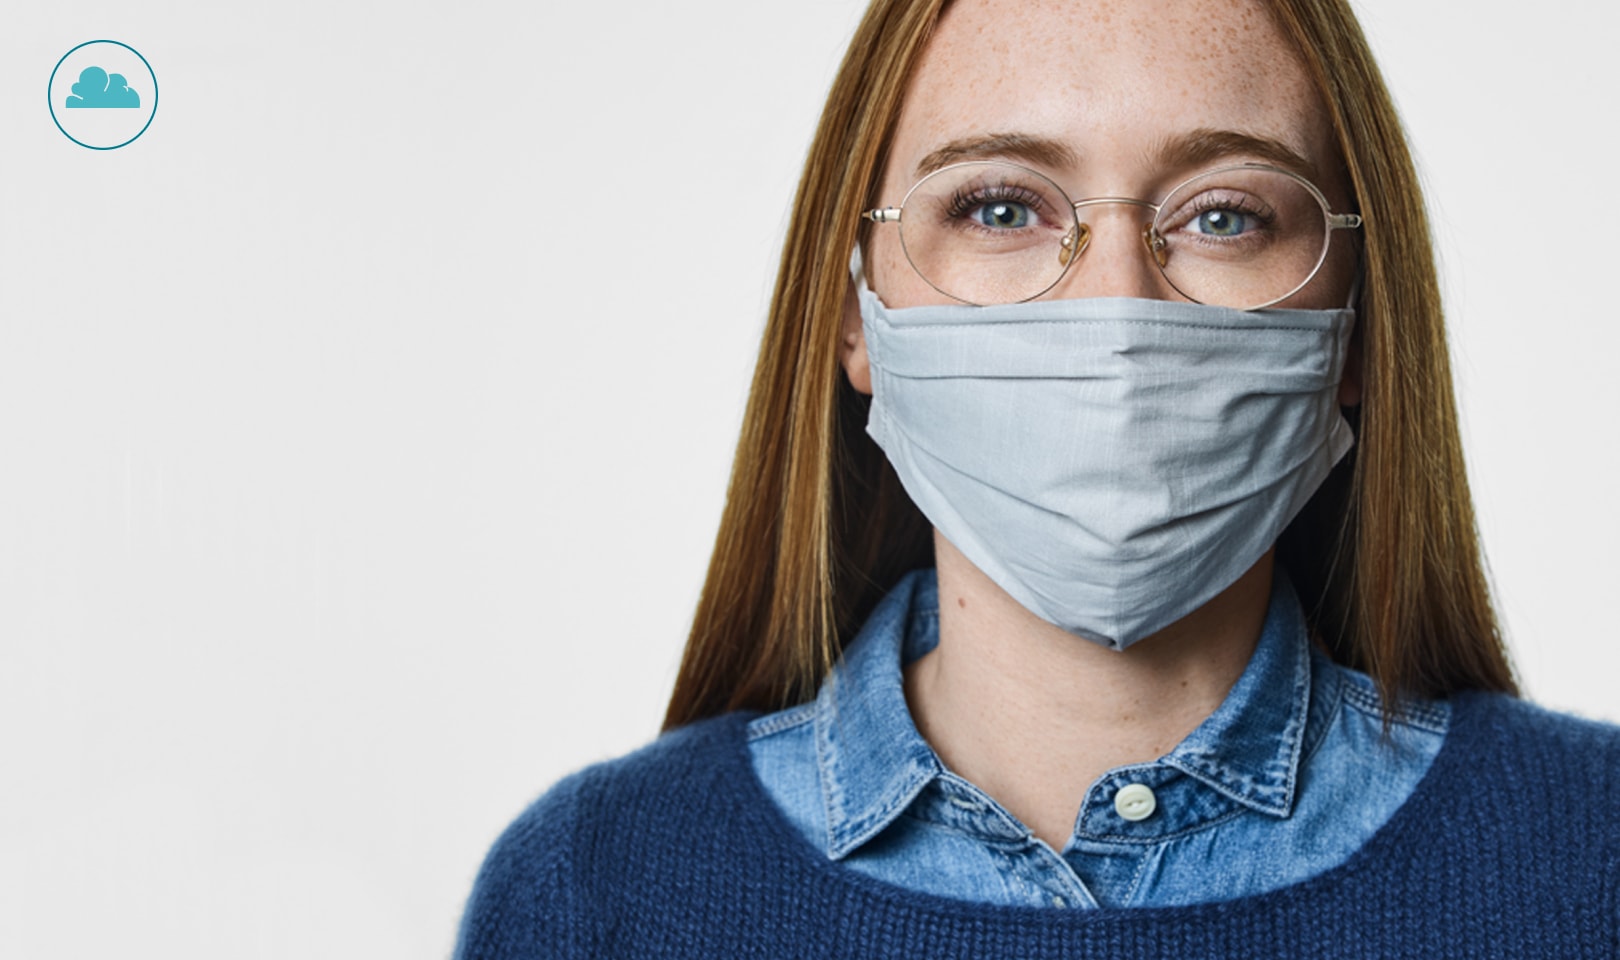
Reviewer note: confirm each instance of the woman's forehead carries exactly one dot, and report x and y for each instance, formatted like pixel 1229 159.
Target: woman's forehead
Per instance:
pixel 1113 80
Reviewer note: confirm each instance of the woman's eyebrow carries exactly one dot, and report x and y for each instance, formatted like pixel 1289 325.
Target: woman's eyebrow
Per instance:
pixel 1204 146
pixel 1193 149
pixel 1042 151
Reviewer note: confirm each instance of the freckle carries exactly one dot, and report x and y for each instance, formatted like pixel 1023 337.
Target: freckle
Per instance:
pixel 1184 683
pixel 961 601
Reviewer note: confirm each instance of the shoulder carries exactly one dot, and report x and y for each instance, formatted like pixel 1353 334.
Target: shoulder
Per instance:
pixel 599 797
pixel 549 874
pixel 1520 757
pixel 1560 737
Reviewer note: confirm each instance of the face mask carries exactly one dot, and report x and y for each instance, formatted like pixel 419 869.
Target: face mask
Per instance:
pixel 1111 463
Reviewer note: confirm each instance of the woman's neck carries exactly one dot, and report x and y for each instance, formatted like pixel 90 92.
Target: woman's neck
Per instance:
pixel 1033 714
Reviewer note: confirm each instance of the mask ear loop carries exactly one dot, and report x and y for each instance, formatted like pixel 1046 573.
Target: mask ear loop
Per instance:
pixel 1355 327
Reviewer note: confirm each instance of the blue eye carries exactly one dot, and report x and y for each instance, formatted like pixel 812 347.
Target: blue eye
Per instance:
pixel 1003 215
pixel 1222 223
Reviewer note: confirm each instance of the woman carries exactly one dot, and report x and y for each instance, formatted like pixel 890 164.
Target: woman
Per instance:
pixel 1138 308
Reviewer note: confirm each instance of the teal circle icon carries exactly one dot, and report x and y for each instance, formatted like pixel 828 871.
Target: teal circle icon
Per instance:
pixel 103 94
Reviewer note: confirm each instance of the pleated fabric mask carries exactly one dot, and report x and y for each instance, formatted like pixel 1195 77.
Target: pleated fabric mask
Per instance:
pixel 1112 463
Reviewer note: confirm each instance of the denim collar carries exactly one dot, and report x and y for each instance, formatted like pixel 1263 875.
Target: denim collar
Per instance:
pixel 873 763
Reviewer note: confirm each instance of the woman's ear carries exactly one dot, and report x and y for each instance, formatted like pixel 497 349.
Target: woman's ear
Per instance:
pixel 852 345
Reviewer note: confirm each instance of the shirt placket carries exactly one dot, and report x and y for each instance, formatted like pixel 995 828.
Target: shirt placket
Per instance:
pixel 1128 818
pixel 1028 869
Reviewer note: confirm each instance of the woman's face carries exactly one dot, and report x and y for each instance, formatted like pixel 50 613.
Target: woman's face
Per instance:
pixel 1119 98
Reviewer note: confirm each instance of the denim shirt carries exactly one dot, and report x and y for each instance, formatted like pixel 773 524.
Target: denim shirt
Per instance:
pixel 1287 778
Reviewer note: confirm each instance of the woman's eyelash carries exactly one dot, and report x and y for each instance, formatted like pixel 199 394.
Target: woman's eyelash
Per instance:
pixel 1244 205
pixel 963 201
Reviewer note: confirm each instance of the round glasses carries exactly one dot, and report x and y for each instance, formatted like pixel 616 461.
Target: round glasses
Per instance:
pixel 987 232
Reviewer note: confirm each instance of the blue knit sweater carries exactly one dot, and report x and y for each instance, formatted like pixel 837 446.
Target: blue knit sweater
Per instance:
pixel 1510 847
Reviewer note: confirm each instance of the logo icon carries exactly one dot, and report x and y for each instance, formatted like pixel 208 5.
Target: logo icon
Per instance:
pixel 103 94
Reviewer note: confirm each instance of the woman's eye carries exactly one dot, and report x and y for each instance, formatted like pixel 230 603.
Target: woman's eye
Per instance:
pixel 1222 223
pixel 1003 215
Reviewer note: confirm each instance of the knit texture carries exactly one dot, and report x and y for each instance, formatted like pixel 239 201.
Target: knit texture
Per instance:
pixel 1510 847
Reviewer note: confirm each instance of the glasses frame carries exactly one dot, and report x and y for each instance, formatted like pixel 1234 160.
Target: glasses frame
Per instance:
pixel 1078 238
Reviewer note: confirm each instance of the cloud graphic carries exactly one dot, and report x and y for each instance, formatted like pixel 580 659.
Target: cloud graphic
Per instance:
pixel 96 88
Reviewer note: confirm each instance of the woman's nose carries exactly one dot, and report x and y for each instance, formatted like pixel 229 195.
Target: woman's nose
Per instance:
pixel 1113 259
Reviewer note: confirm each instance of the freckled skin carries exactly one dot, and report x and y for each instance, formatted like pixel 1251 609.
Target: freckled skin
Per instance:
pixel 1111 79
pixel 1009 701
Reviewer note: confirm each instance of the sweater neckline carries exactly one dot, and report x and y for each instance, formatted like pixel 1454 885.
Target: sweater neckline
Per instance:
pixel 754 806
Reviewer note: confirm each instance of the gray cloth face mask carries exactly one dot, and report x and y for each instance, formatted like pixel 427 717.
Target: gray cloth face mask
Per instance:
pixel 1112 463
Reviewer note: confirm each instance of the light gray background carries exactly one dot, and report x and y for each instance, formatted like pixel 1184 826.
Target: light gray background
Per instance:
pixel 365 424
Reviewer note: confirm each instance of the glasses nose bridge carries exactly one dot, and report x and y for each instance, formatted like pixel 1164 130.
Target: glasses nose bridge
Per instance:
pixel 1152 208
pixel 1079 242
pixel 1099 201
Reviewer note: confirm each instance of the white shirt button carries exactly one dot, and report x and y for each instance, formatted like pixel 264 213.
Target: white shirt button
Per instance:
pixel 1135 801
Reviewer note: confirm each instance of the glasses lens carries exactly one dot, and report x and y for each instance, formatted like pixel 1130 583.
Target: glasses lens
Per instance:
pixel 1241 237
pixel 987 233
